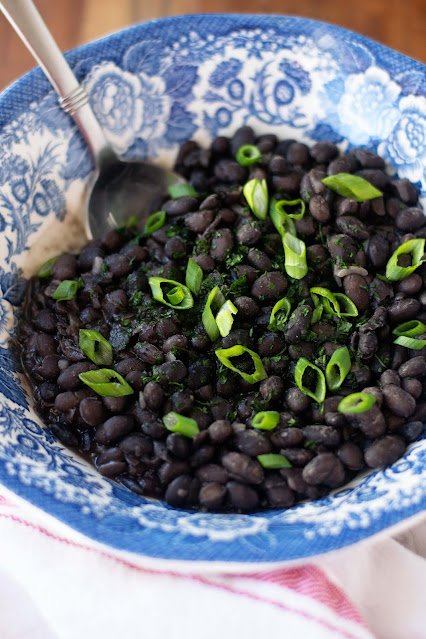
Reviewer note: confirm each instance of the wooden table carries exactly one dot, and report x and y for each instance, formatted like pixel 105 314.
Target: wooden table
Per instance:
pixel 400 24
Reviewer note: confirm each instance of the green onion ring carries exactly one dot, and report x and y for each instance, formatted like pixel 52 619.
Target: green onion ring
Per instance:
pixel 266 420
pixel 279 324
pixel 273 461
pixel 337 368
pixel 256 193
pixel 224 319
pixel 302 365
pixel 106 383
pixel 154 222
pixel 216 298
pixel 248 154
pixel 185 302
pixel 193 276
pixel 281 204
pixel 356 403
pixel 66 291
pixel 181 190
pixel 224 355
pixel 416 247
pixel 410 342
pixel 410 328
pixel 95 347
pixel 177 423
pixel 295 256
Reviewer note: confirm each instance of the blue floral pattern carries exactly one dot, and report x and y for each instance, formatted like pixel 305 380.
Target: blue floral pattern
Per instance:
pixel 152 87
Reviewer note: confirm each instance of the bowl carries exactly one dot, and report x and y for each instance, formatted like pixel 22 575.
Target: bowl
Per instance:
pixel 153 86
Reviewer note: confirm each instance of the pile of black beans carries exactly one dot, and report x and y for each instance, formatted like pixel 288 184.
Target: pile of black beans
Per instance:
pixel 170 362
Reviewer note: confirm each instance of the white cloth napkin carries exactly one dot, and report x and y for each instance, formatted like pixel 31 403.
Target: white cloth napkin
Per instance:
pixel 57 584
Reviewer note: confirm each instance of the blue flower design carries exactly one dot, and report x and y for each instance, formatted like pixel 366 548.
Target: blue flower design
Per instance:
pixel 224 72
pixel 405 147
pixel 297 74
pixel 367 110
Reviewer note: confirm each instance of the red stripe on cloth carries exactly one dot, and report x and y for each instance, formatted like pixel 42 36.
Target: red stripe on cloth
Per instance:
pixel 198 578
pixel 311 581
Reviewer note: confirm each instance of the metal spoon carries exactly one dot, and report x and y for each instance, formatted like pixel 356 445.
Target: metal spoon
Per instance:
pixel 120 188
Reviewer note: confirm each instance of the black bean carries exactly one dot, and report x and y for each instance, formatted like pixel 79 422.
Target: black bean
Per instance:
pixel 222 243
pixel 411 430
pixel 115 404
pixel 243 135
pixel 356 288
pixel 212 473
pixel 211 495
pixel 326 435
pixel 179 445
pixel 351 455
pixel 114 428
pixel 242 468
pixel 175 247
pixel 65 268
pixel 269 286
pixel 252 442
pixel 230 172
pixel 384 451
pixel 413 386
pixel 378 250
pixel 298 153
pixel 367 158
pixel 353 227
pixel 271 388
pixel 410 285
pixel 270 344
pixel 402 310
pixel 180 206
pixel 344 164
pixel 278 494
pixel 69 379
pixel 66 401
pixel 247 307
pixel 376 177
pixel 297 456
pixel 324 152
pixel 415 367
pixel 182 401
pixel 298 324
pixel 45 320
pixel 220 430
pixel 153 395
pixel 182 491
pixel 371 422
pixel 199 221
pixel 49 368
pixel 243 498
pixel 249 233
pixel 286 437
pixel 149 353
pixel 92 411
pixel 171 372
pixel 326 469
pixel 319 209
pixel 398 401
pixel 302 349
pixel 297 401
pixel 410 219
pixel 367 345
pixel 259 260
pixel 278 165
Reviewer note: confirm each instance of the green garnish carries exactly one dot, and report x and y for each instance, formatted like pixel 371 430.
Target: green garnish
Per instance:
pixel 178 295
pixel 217 299
pixel 295 256
pixel 352 186
pixel 410 342
pixel 181 190
pixel 248 154
pixel 154 222
pixel 106 382
pixel 337 368
pixel 356 403
pixel 282 222
pixel 302 366
pixel 224 355
pixel 330 303
pixel 66 291
pixel 95 347
pixel 193 276
pixel 273 461
pixel 45 269
pixel 224 319
pixel 280 314
pixel 416 248
pixel 410 329
pixel 282 204
pixel 256 193
pixel 345 303
pixel 180 424
pixel 266 420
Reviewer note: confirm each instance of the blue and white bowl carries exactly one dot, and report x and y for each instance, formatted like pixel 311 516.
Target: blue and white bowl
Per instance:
pixel 153 86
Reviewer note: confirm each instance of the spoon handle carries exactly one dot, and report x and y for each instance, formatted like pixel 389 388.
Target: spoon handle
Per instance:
pixel 29 25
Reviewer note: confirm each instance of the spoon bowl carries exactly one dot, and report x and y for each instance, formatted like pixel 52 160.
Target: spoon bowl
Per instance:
pixel 121 189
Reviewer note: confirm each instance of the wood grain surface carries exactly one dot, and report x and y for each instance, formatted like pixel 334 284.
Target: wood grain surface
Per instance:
pixel 400 24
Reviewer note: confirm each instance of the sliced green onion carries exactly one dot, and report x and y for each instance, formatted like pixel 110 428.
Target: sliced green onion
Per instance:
pixel 224 355
pixel 282 222
pixel 356 403
pixel 184 296
pixel 279 315
pixel 410 342
pixel 45 269
pixel 318 310
pixel 330 303
pixel 416 248
pixel 154 222
pixel 224 319
pixel 66 291
pixel 266 420
pixel 248 154
pixel 179 424
pixel 95 347
pixel 295 256
pixel 281 204
pixel 410 329
pixel 181 190
pixel 256 193
pixel 302 366
pixel 175 295
pixel 345 303
pixel 193 276
pixel 106 382
pixel 337 368
pixel 273 461
pixel 216 299
pixel 352 186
